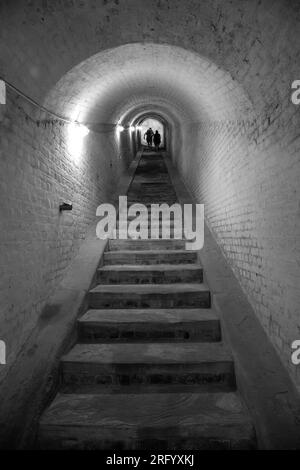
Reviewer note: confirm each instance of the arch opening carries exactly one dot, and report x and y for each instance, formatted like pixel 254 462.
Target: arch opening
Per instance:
pixel 111 87
pixel 155 125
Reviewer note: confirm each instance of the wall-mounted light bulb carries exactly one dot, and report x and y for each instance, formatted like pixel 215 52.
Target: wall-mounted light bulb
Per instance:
pixel 76 133
pixel 84 131
pixel 120 128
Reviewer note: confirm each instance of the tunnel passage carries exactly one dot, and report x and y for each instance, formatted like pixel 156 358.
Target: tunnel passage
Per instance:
pixel 105 92
pixel 218 73
pixel 213 142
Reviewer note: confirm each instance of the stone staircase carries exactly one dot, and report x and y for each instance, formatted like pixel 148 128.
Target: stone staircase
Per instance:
pixel 150 369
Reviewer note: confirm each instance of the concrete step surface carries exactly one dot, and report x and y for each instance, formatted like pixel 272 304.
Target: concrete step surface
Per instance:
pixel 148 367
pixel 149 325
pixel 158 421
pixel 144 245
pixel 151 232
pixel 155 223
pixel 150 257
pixel 148 199
pixel 194 295
pixel 149 274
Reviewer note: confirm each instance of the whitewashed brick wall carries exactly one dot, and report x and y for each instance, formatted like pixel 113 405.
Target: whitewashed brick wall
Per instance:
pixel 37 174
pixel 249 183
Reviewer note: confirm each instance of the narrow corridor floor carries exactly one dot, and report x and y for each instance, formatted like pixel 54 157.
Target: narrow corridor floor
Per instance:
pixel 150 370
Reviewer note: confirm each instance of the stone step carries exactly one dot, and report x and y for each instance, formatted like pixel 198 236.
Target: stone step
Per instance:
pixel 157 219
pixel 147 367
pixel 144 245
pixel 153 189
pixel 137 187
pixel 149 204
pixel 147 224
pixel 157 224
pixel 149 296
pixel 149 208
pixel 142 180
pixel 149 274
pixel 153 193
pixel 150 257
pixel 151 232
pixel 150 200
pixel 160 235
pixel 143 325
pixel 154 226
pixel 170 421
pixel 153 198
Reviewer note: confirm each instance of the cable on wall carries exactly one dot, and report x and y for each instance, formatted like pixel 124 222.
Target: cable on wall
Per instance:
pixel 41 107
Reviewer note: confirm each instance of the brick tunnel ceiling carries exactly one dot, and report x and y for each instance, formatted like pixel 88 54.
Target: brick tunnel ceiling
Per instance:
pixel 119 83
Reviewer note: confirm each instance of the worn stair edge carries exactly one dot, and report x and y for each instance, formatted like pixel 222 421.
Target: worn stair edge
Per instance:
pixel 146 274
pixel 148 368
pixel 149 244
pixel 149 325
pixel 149 296
pixel 149 267
pixel 181 288
pixel 153 353
pixel 171 315
pixel 150 257
pixel 142 421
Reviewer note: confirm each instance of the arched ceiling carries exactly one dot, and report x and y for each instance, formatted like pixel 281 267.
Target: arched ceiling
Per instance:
pixel 135 115
pixel 46 40
pixel 111 84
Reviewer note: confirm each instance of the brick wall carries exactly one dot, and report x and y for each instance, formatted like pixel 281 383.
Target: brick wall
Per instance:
pixel 38 243
pixel 249 184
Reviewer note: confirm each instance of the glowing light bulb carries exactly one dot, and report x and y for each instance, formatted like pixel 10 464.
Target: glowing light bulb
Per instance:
pixel 76 133
pixel 120 128
pixel 83 130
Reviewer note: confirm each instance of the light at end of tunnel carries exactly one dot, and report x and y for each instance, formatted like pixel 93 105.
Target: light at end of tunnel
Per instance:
pixel 76 134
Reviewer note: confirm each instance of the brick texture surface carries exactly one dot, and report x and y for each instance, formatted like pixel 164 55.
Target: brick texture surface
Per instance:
pixel 38 173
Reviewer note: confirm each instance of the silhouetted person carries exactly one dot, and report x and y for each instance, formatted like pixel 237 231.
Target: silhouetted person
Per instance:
pixel 157 140
pixel 149 136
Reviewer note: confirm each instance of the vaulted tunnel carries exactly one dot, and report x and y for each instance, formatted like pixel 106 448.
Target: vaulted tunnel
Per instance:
pixel 218 77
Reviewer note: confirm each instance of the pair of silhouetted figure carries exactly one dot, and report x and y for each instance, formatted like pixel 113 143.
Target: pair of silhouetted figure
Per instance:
pixel 151 136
